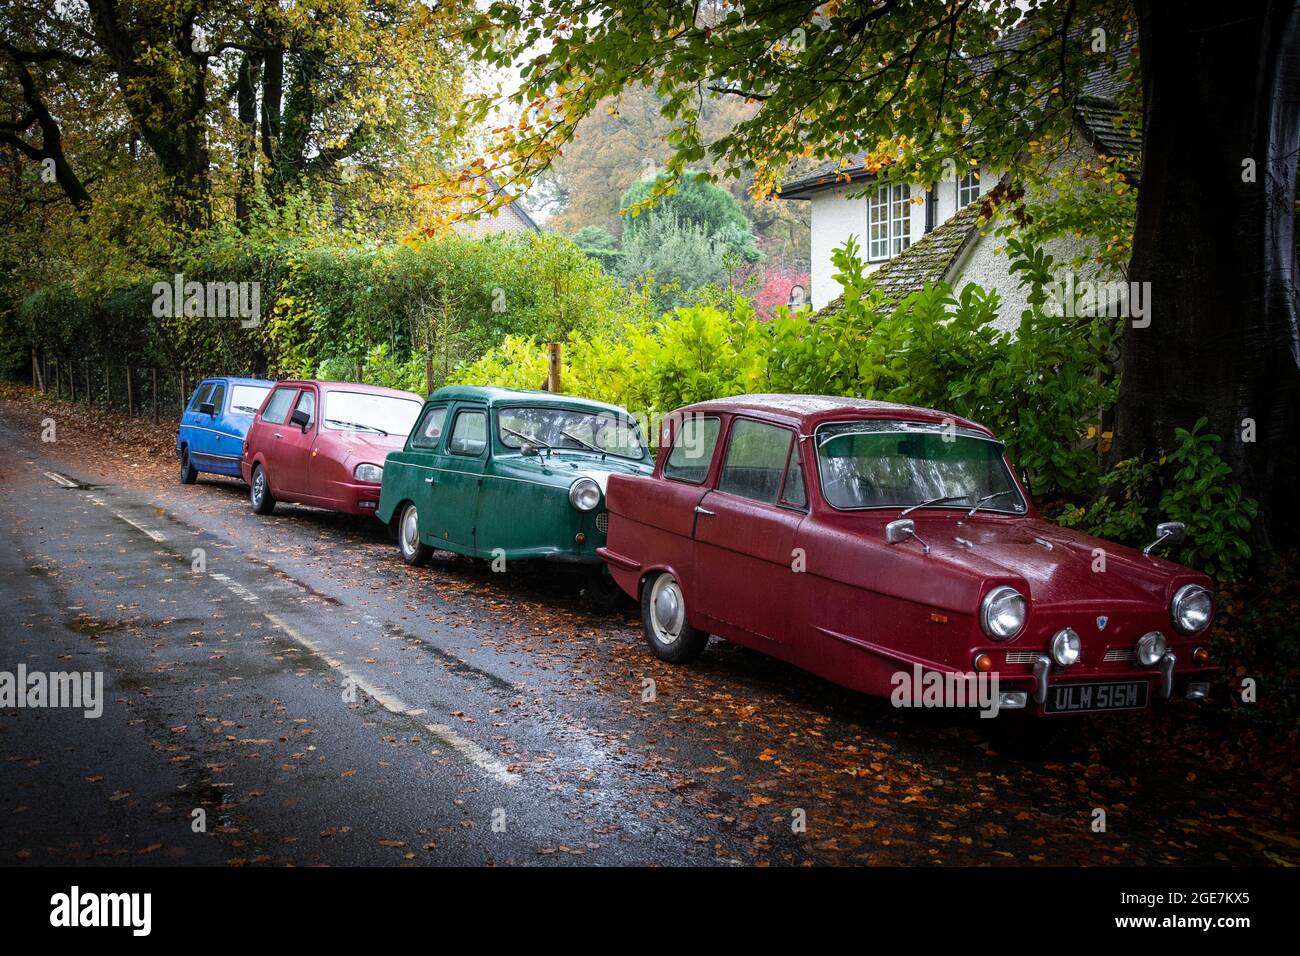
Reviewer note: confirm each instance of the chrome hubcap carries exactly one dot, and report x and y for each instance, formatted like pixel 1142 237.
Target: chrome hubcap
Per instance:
pixel 410 530
pixel 259 485
pixel 666 610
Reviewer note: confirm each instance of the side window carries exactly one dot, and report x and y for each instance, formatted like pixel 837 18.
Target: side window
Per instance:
pixel 218 397
pixel 277 409
pixel 756 458
pixel 429 431
pixel 468 434
pixel 307 403
pixel 794 493
pixel 200 396
pixel 693 446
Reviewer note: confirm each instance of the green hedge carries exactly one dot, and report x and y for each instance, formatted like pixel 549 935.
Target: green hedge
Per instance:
pixel 330 309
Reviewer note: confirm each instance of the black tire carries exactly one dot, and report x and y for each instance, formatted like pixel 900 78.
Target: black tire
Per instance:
pixel 602 590
pixel 414 552
pixel 189 474
pixel 259 492
pixel 667 632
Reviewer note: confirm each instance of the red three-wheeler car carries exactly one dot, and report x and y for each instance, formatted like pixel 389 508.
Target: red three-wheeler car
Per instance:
pixel 878 544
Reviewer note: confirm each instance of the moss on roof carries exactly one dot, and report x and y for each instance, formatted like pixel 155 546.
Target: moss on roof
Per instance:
pixel 924 262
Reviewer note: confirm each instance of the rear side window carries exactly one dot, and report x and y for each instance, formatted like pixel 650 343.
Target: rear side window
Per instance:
pixel 200 396
pixel 429 431
pixel 756 460
pixel 218 396
pixel 469 434
pixel 693 446
pixel 277 409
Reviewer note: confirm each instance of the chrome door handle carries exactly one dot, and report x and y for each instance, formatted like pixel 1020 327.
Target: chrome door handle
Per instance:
pixel 703 511
pixel 278 435
pixel 428 481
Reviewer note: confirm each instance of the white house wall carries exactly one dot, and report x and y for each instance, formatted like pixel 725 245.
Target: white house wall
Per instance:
pixel 838 213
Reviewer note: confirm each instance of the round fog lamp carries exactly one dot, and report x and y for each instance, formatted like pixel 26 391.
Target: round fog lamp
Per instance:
pixel 1150 648
pixel 1066 647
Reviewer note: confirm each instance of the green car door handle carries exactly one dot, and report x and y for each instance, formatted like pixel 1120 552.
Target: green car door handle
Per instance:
pixel 429 480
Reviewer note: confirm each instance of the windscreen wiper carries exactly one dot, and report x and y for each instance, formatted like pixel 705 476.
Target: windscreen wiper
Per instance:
pixel 935 501
pixel 356 425
pixel 980 504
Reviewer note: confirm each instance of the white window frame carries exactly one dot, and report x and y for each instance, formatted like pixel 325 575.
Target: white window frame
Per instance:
pixel 889 221
pixel 968 188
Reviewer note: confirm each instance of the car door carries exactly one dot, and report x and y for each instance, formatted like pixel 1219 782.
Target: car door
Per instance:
pixel 271 422
pixel 460 476
pixel 212 443
pixel 293 446
pixel 745 560
pixel 195 422
pixel 423 460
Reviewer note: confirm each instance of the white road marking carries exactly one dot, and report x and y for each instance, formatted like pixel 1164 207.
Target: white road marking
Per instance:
pixel 241 592
pixel 155 535
pixel 467 748
pixel 58 479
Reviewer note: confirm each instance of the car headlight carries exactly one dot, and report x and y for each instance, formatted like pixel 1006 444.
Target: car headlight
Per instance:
pixel 1191 608
pixel 584 494
pixel 371 473
pixel 1151 647
pixel 1002 614
pixel 1066 647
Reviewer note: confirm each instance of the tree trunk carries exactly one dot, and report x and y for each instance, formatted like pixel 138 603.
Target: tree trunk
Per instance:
pixel 246 144
pixel 1215 238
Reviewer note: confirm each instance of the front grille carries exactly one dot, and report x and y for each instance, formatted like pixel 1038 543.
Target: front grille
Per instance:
pixel 1022 657
pixel 602 522
pixel 1119 654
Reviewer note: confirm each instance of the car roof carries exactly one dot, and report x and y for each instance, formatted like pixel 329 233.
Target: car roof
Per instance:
pixel 809 411
pixel 350 387
pixel 496 395
pixel 236 380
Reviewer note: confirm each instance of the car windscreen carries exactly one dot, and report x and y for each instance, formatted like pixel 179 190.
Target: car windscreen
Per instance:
pixel 570 429
pixel 900 464
pixel 368 412
pixel 247 398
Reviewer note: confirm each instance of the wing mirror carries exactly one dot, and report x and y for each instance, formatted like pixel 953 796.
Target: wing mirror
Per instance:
pixel 207 408
pixel 527 450
pixel 900 530
pixel 300 418
pixel 1171 531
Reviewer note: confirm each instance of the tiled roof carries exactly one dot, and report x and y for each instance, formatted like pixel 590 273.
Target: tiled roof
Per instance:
pixel 926 261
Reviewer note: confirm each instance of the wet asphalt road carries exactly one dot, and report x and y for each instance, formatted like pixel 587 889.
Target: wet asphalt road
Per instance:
pixel 290 684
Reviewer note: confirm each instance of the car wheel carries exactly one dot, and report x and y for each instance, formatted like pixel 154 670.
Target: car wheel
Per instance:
pixel 414 551
pixel 663 615
pixel 259 492
pixel 188 472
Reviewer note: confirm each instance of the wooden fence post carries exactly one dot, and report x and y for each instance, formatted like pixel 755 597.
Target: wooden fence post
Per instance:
pixel 153 391
pixel 553 382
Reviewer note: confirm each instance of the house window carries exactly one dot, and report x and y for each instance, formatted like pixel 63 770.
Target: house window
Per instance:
pixel 968 189
pixel 890 226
